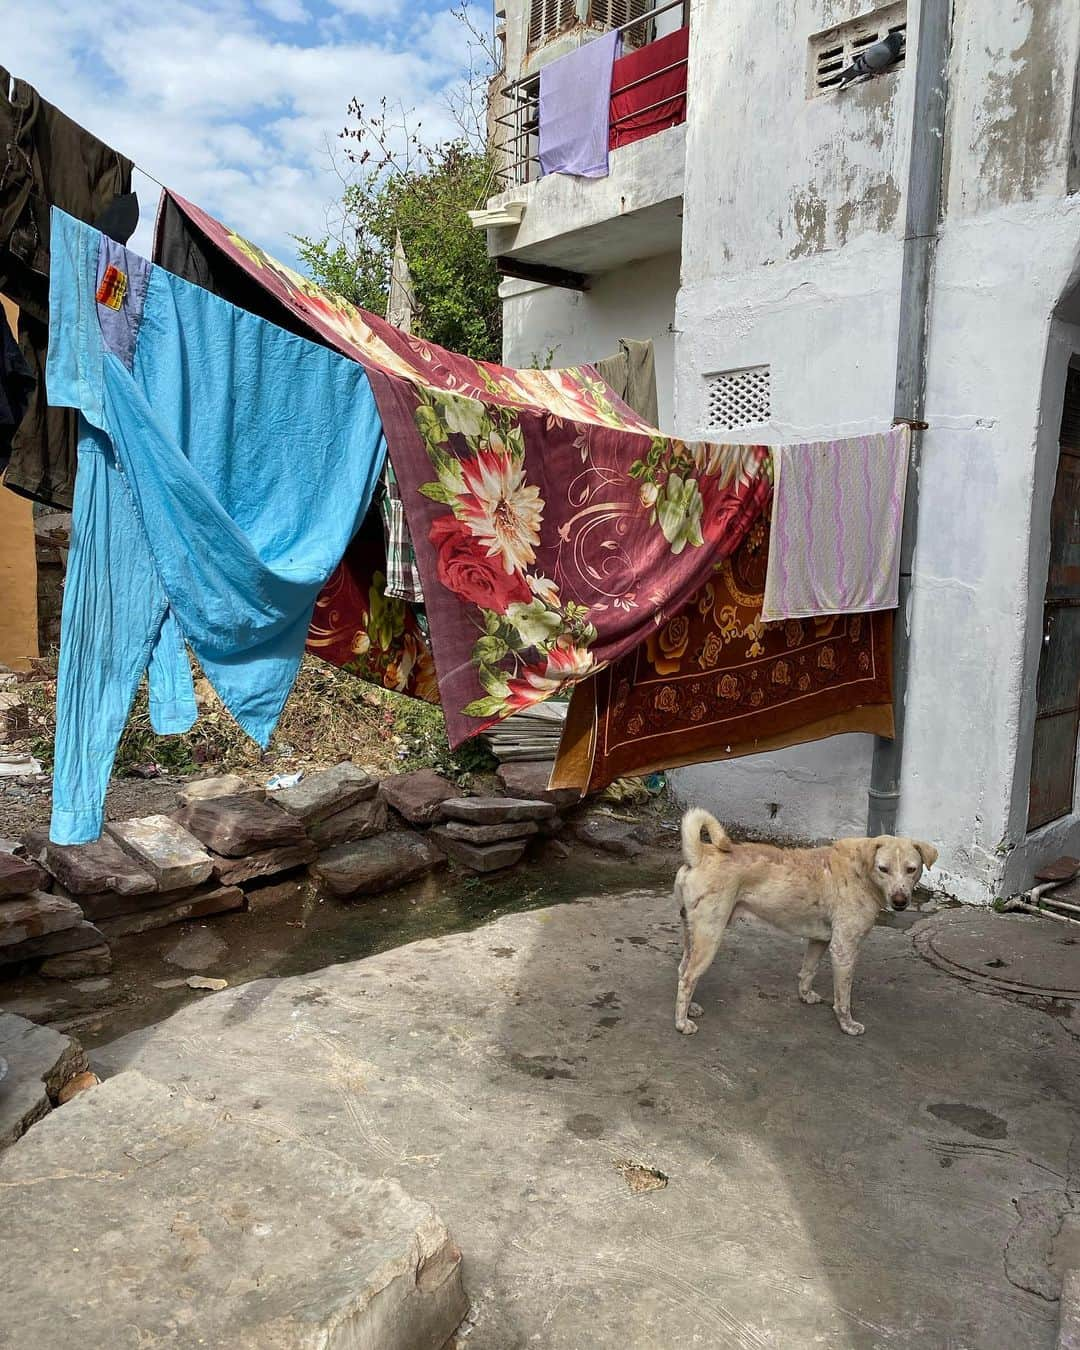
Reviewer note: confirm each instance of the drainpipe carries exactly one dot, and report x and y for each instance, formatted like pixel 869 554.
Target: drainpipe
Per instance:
pixel 923 215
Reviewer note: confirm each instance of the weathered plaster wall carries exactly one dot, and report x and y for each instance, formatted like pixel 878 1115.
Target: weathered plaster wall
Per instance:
pixel 775 175
pixel 632 302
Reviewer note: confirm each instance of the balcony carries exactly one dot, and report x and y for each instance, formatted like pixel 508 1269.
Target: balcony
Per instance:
pixel 590 225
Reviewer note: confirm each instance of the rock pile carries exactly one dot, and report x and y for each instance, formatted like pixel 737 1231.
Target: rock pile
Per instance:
pixel 486 834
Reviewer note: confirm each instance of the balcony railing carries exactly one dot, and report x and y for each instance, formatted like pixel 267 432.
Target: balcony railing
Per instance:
pixel 517 126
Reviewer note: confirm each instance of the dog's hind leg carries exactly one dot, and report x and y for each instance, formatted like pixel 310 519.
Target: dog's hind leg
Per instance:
pixel 815 950
pixel 695 1009
pixel 705 933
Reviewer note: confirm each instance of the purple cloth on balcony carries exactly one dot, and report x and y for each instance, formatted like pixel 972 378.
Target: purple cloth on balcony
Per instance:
pixel 575 110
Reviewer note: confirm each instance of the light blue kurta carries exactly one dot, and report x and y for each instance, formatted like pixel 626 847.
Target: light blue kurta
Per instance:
pixel 224 465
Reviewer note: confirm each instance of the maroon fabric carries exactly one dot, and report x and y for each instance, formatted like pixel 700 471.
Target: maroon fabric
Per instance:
pixel 659 101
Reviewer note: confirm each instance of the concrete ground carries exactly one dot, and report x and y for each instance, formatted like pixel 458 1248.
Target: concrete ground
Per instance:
pixel 902 1189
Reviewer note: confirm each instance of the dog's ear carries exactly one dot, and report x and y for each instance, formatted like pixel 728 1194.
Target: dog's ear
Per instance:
pixel 862 852
pixel 927 852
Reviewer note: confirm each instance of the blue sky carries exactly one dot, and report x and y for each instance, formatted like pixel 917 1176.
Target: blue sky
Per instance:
pixel 233 102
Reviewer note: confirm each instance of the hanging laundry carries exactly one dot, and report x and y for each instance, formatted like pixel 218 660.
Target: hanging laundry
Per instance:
pixel 17 385
pixel 715 683
pixel 402 572
pixel 835 545
pixel 575 108
pixel 648 89
pixel 224 465
pixel 50 161
pixel 631 372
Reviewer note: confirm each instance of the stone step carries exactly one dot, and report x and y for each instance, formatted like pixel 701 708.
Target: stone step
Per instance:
pixel 373 865
pixel 530 779
pixel 237 826
pixel 418 797
pixel 193 1226
pixel 269 862
pixel 479 857
pixel 19 876
pixel 488 834
pixel 165 849
pixel 214 900
pixel 224 785
pixel 82 937
pixel 324 794
pixel 39 1062
pixel 78 965
pixel 89 869
pixel 359 821
pixel 34 915
pixel 495 810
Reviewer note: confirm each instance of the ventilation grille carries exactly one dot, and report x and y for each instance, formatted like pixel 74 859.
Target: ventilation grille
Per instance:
pixel 608 14
pixel 739 398
pixel 833 51
pixel 548 18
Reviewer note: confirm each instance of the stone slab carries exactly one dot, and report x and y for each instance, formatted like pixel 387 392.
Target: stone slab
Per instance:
pixel 530 779
pixel 18 876
pixel 88 869
pixel 417 797
pixel 34 915
pixel 216 900
pixel 359 821
pixel 370 866
pixel 495 810
pixel 110 904
pixel 237 826
pixel 270 862
pixel 194 1227
pixel 608 835
pixel 1069 1328
pixel 319 795
pixel 82 936
pixel 78 965
pixel 165 849
pixel 488 834
pixel 479 857
pixel 224 785
pixel 39 1062
pixel 828 1182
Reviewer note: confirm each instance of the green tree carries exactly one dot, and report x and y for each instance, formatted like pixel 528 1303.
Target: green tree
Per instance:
pixel 396 182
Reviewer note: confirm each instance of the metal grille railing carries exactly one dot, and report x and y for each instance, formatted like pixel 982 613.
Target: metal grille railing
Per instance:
pixel 517 126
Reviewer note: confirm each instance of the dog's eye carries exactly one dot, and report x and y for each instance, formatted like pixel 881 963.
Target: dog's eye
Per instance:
pixel 912 867
pixel 882 868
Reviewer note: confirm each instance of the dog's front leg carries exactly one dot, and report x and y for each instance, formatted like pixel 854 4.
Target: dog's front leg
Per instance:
pixel 842 952
pixel 815 950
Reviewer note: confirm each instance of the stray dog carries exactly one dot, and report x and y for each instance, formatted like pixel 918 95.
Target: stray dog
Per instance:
pixel 830 896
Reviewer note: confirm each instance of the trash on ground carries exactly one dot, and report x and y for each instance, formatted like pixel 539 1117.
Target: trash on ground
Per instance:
pixel 276 782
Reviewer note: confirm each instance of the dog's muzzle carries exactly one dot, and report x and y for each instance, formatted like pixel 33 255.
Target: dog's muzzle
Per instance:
pixel 899 902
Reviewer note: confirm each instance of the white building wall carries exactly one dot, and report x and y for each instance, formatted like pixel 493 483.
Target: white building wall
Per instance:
pixel 543 324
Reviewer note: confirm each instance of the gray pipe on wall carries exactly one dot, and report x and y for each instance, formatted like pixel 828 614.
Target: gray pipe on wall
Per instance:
pixel 922 218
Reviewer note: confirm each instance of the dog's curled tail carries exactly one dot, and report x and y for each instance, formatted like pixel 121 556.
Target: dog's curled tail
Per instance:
pixel 693 846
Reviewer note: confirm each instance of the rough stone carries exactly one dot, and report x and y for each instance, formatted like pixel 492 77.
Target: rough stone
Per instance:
pixel 487 834
pixel 479 857
pixel 530 778
pixel 89 869
pixel 79 938
pixel 270 862
pixel 34 915
pixel 656 833
pixel 1069 1330
pixel 213 984
pixel 165 849
pixel 418 796
pixel 109 904
pixel 236 826
pixel 18 876
pixel 215 900
pixel 198 1227
pixel 495 810
pixel 39 1062
pixel 512 1065
pixel 359 821
pixel 323 794
pixel 274 893
pixel 608 835
pixel 373 865
pixel 78 964
pixel 82 1082
pixel 225 785
pixel 196 950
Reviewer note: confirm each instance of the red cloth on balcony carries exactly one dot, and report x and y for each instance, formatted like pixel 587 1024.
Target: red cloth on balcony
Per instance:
pixel 657 102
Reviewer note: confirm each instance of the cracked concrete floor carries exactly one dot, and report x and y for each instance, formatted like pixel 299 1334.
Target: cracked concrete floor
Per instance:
pixel 903 1189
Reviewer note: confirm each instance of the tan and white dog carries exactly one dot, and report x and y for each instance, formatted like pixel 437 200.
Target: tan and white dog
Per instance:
pixel 829 896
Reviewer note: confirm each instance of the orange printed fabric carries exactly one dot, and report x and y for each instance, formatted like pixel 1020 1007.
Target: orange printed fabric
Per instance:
pixel 715 682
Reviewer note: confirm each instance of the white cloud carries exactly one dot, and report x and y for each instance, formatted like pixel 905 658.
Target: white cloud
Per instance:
pixel 227 101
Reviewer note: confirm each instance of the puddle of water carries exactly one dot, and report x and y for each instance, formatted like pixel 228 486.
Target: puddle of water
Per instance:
pixel 303 931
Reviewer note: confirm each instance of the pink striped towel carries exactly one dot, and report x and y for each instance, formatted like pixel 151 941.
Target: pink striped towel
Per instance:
pixel 834 547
